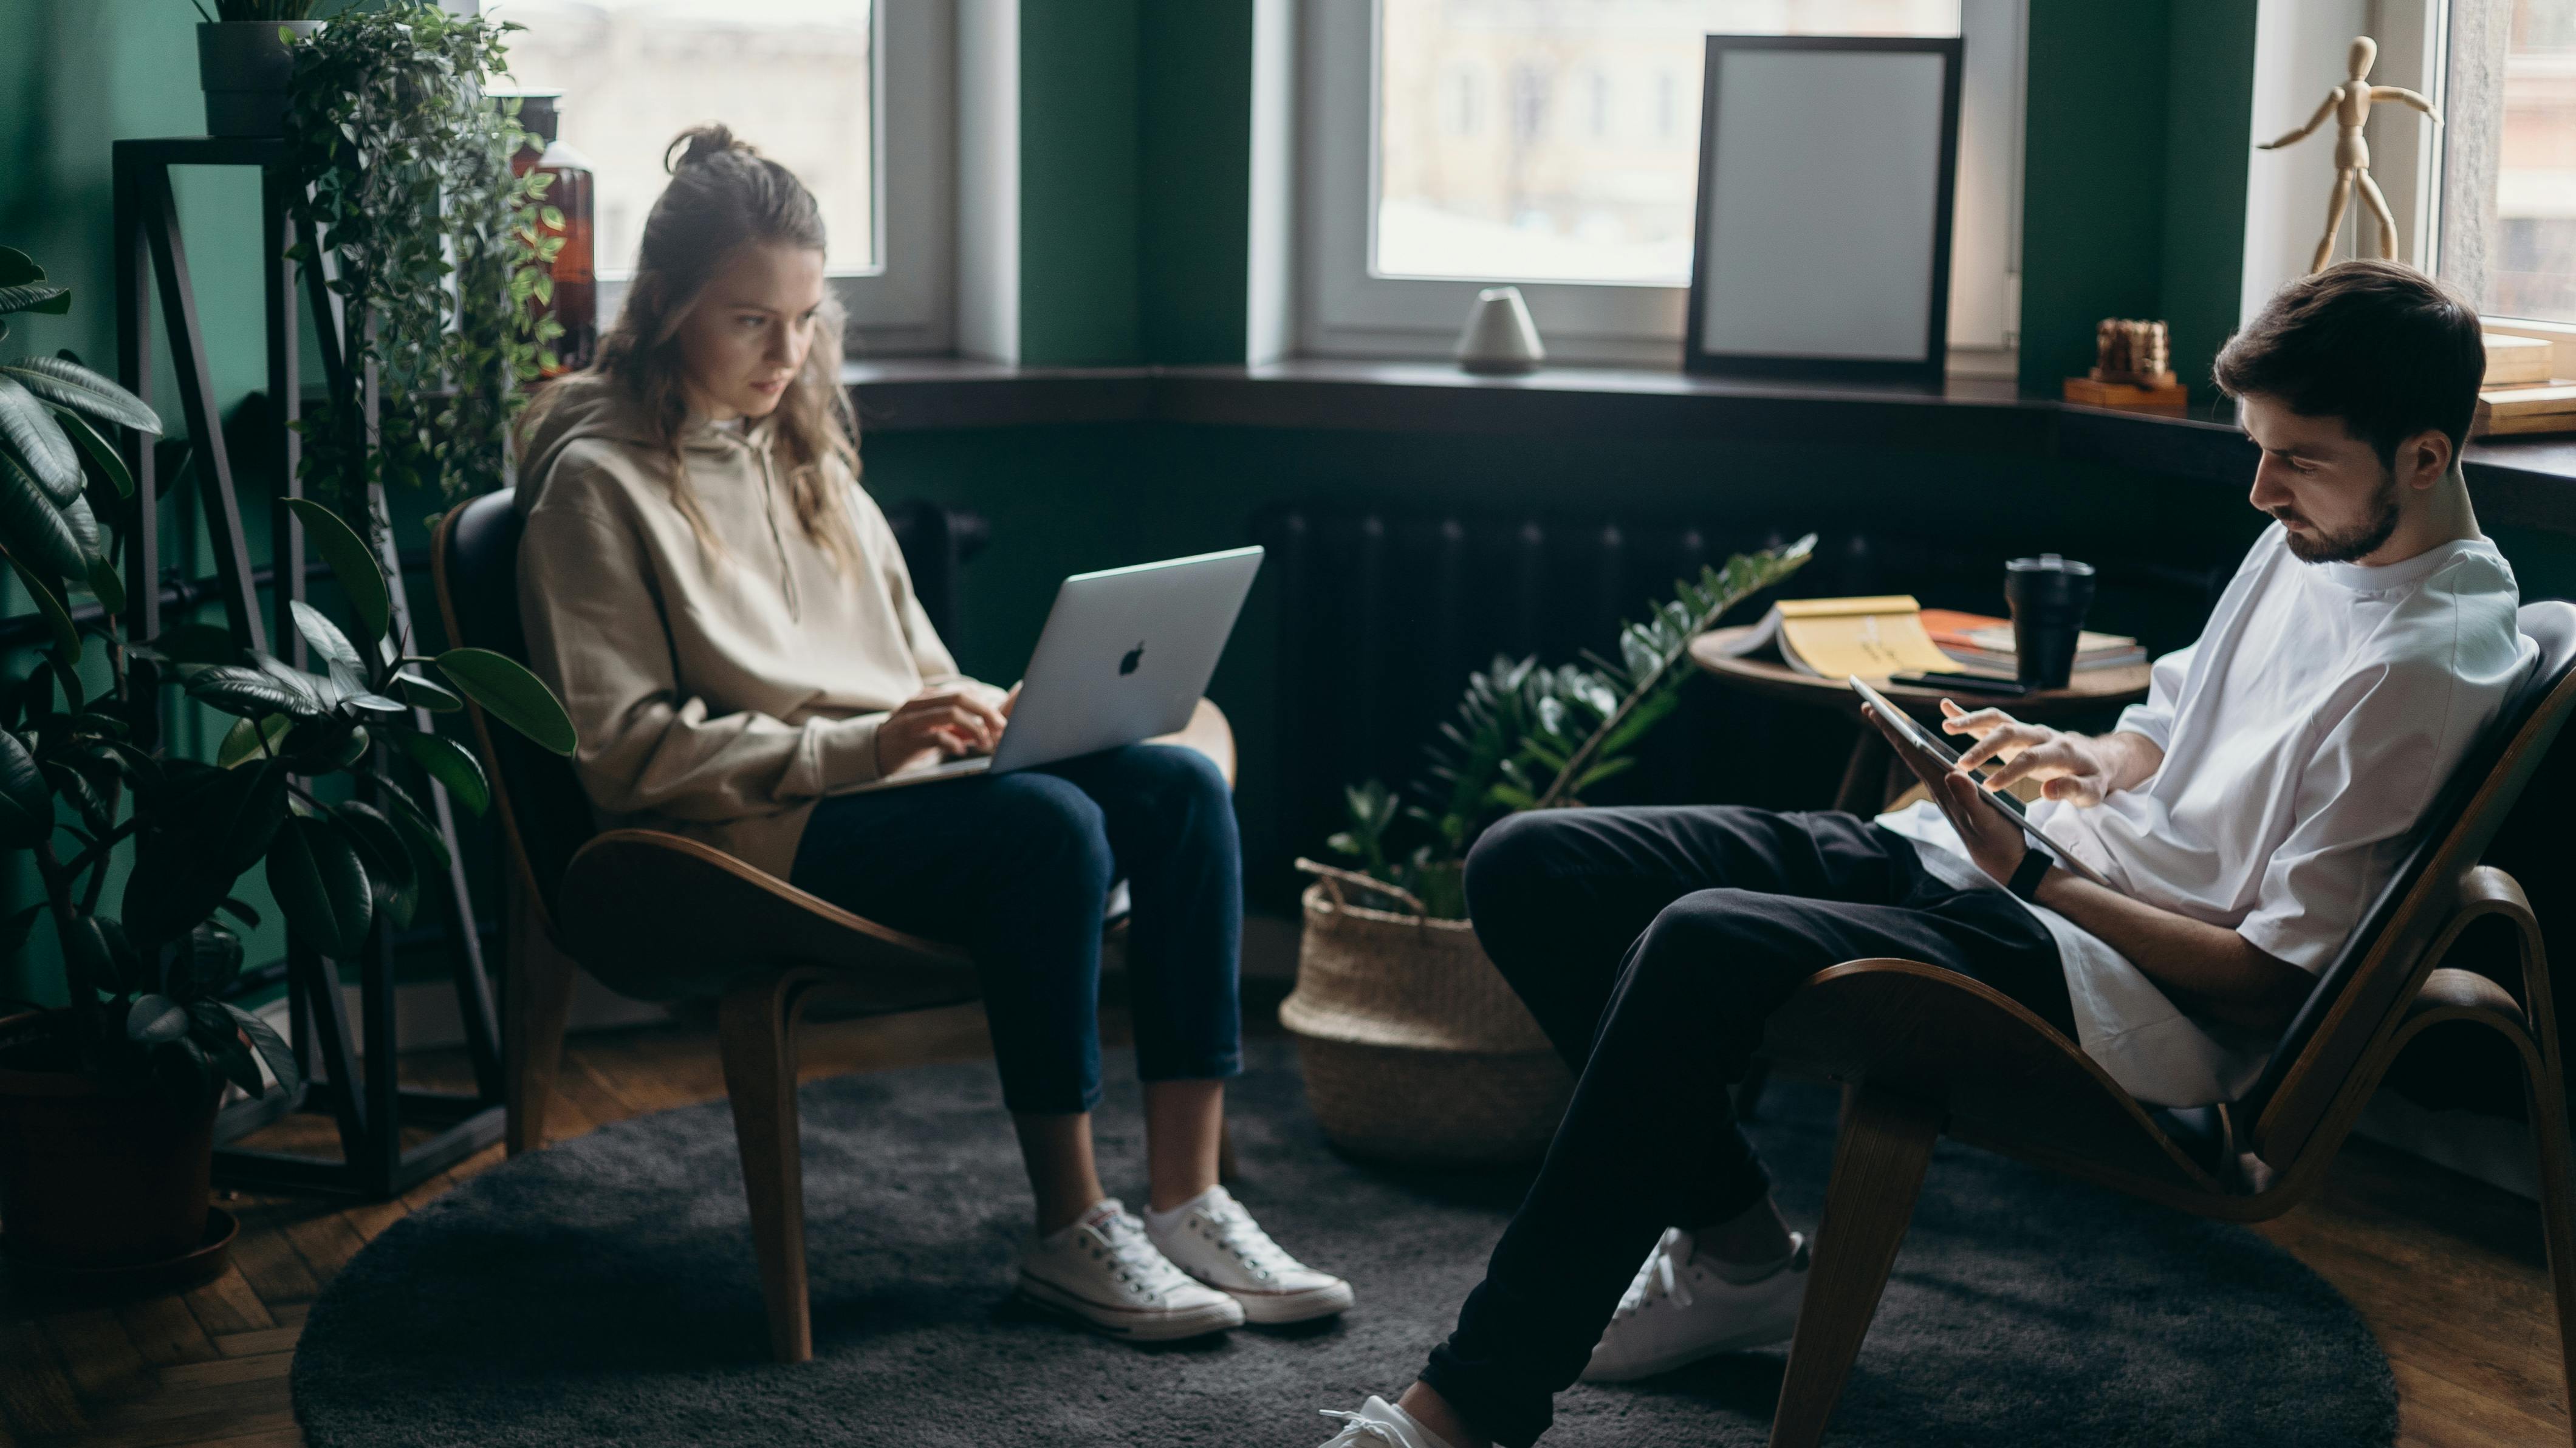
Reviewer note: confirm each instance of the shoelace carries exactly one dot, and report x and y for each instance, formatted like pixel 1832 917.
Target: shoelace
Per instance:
pixel 1139 1262
pixel 1237 1233
pixel 1354 1426
pixel 1661 1276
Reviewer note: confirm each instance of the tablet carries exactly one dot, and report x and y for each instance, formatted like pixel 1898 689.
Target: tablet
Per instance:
pixel 2013 809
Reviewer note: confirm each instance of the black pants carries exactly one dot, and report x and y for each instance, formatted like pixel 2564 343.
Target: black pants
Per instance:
pixel 1652 944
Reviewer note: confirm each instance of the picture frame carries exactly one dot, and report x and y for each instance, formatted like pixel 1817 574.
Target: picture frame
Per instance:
pixel 1827 177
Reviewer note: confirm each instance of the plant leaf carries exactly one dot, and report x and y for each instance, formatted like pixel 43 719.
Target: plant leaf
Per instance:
pixel 453 765
pixel 154 1019
pixel 32 525
pixel 243 741
pixel 421 693
pixel 105 585
pixel 352 562
pixel 101 453
pixel 389 864
pixel 428 846
pixel 42 448
pixel 50 298
pixel 59 379
pixel 321 887
pixel 214 956
pixel 17 268
pixel 326 639
pixel 251 693
pixel 509 693
pixel 272 1047
pixel 26 804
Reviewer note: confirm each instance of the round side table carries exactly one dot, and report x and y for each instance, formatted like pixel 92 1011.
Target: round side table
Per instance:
pixel 1873 766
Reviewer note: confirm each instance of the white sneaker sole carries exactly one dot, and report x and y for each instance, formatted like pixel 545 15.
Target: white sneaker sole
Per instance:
pixel 1677 1358
pixel 1130 1323
pixel 1274 1309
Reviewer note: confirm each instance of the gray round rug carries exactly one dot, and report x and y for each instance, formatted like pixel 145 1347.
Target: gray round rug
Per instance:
pixel 602 1292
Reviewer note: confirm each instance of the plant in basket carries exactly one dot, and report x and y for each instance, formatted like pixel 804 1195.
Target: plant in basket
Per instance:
pixel 1413 1046
pixel 107 1100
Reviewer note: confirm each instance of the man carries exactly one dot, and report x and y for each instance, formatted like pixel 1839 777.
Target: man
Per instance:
pixel 2248 812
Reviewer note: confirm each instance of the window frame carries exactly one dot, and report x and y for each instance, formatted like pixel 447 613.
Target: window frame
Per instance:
pixel 1344 308
pixel 905 303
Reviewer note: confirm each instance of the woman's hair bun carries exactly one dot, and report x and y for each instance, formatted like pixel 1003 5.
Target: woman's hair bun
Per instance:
pixel 699 144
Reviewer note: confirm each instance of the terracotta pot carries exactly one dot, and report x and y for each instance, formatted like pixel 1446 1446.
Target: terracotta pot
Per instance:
pixel 89 1180
pixel 244 68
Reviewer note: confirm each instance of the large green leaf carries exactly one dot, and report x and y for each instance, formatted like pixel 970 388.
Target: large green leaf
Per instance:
pixel 154 1019
pixel 41 445
pixel 60 379
pixel 227 815
pixel 428 847
pixel 327 640
pixel 250 739
pixel 106 585
pixel 352 562
pixel 101 453
pixel 389 863
pixel 17 268
pixel 26 805
pixel 417 690
pixel 271 1046
pixel 509 693
pixel 32 527
pixel 214 957
pixel 320 885
pixel 250 692
pixel 67 640
pixel 48 297
pixel 453 765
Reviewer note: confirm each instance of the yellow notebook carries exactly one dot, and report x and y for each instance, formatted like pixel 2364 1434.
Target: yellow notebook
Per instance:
pixel 1831 637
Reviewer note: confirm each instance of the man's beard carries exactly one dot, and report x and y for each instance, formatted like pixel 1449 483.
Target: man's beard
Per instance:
pixel 2359 541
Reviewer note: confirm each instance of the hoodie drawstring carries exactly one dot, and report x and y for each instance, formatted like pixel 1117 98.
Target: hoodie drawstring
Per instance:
pixel 778 540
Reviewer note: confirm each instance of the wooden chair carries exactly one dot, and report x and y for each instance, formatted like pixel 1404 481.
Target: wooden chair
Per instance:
pixel 660 917
pixel 1921 1051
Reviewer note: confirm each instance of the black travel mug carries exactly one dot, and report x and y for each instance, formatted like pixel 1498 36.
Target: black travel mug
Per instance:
pixel 2049 597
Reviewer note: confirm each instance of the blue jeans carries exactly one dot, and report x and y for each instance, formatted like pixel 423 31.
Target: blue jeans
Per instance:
pixel 1017 869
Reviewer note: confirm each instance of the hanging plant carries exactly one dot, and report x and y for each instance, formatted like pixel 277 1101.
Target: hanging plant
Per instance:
pixel 404 172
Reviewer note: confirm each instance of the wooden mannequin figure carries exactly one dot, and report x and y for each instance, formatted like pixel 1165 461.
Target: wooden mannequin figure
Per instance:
pixel 2349 104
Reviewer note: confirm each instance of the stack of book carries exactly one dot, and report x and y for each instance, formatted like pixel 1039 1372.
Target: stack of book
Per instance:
pixel 2521 393
pixel 1984 643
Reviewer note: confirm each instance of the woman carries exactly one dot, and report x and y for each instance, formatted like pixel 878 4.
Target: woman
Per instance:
pixel 728 619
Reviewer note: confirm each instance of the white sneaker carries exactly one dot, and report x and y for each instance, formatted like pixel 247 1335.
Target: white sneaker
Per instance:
pixel 1679 1311
pixel 1212 1238
pixel 1381 1424
pixel 1104 1271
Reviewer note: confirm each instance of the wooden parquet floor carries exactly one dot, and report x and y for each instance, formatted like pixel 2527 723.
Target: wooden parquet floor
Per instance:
pixel 2448 1271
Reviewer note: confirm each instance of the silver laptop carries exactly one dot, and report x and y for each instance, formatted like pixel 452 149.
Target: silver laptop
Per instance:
pixel 1125 656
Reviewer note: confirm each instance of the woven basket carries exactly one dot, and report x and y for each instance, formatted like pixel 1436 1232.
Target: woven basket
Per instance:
pixel 1414 1048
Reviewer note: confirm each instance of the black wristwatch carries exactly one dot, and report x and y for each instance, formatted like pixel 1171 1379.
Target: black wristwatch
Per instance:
pixel 2034 867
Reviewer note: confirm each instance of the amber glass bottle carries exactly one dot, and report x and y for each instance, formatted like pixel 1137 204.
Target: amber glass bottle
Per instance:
pixel 575 303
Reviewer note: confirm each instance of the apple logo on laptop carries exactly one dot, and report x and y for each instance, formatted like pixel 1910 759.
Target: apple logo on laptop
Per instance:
pixel 1127 665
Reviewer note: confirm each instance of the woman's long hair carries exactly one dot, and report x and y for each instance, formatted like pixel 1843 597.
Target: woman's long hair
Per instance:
pixel 724 196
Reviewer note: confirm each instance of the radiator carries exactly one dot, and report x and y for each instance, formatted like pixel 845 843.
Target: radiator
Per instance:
pixel 1383 613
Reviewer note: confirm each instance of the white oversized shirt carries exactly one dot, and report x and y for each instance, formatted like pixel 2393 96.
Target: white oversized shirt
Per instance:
pixel 2304 734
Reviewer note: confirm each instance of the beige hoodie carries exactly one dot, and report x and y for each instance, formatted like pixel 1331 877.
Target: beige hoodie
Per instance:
pixel 717 696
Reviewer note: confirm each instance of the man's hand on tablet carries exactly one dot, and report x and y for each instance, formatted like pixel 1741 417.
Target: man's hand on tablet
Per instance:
pixel 1995 843
pixel 2073 768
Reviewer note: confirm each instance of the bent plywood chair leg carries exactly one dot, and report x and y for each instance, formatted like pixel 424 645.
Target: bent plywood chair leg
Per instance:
pixel 536 997
pixel 757 1027
pixel 1878 1167
pixel 2545 1086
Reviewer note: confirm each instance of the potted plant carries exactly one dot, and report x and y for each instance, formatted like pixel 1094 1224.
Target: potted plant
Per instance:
pixel 1413 1046
pixel 107 1100
pixel 245 58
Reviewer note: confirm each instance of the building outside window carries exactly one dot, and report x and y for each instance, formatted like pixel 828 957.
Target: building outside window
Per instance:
pixel 852 96
pixel 2532 249
pixel 1406 211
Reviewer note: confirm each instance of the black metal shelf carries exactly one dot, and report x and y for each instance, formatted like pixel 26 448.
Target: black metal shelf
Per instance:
pixel 368 1103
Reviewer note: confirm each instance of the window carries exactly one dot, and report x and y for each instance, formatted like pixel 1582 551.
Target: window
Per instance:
pixel 1405 212
pixel 807 81
pixel 2509 204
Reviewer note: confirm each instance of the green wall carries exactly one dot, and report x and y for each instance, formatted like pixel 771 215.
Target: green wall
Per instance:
pixel 2133 193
